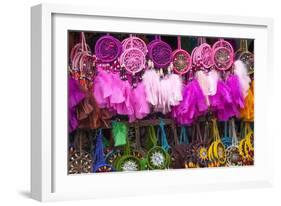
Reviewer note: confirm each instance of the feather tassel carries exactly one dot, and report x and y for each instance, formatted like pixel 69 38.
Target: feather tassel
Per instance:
pixel 244 79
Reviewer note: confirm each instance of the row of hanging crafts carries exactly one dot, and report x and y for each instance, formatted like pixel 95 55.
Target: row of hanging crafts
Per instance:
pixel 200 145
pixel 136 80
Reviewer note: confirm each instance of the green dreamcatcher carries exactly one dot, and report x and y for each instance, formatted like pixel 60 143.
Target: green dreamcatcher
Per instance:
pixel 158 156
pixel 128 161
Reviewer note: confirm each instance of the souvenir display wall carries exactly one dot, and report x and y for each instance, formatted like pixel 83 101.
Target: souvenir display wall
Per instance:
pixel 151 102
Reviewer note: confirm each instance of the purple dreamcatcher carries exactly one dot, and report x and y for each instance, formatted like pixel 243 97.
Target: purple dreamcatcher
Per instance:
pixel 181 60
pixel 160 53
pixel 108 48
pixel 223 55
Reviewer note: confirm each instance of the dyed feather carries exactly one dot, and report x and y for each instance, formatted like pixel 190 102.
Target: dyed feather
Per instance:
pixel 244 79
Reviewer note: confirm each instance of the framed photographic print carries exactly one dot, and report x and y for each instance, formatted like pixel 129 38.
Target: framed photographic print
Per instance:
pixel 119 101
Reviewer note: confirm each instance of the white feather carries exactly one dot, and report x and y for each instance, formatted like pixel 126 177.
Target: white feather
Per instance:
pixel 244 79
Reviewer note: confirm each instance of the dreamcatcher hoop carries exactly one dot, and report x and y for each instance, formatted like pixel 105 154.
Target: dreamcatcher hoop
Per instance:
pixel 200 149
pixel 181 59
pixel 134 42
pixel 246 56
pixel 160 53
pixel 223 55
pixel 204 51
pixel 157 156
pixel 223 43
pixel 132 59
pixel 233 157
pixel 79 47
pixel 108 48
pixel 81 57
pixel 216 151
pixel 128 162
pixel 80 160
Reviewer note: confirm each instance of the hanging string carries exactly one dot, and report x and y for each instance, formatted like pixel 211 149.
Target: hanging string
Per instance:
pixel 215 130
pixel 234 136
pixel 183 136
pixel 199 136
pixel 152 135
pixel 225 129
pixel 179 42
pixel 164 141
pixel 244 45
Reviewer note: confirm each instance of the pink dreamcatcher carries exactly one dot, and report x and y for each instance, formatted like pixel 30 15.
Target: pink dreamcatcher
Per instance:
pixel 82 61
pixel 181 60
pixel 223 55
pixel 79 47
pixel 133 58
pixel 134 42
pixel 202 55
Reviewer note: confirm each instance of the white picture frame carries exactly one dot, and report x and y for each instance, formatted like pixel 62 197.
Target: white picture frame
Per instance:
pixel 49 179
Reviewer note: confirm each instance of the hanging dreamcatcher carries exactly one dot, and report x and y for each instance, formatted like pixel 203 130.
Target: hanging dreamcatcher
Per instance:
pixel 80 160
pixel 216 151
pixel 82 61
pixel 202 55
pixel 202 151
pixel 199 147
pixel 191 150
pixel 223 55
pixel 99 164
pixel 160 53
pixel 233 157
pixel 108 48
pixel 79 47
pixel 112 155
pixel 157 156
pixel 246 56
pixel 178 151
pixel 246 145
pixel 126 162
pixel 132 58
pixel 137 149
pixel 181 59
pixel 134 42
